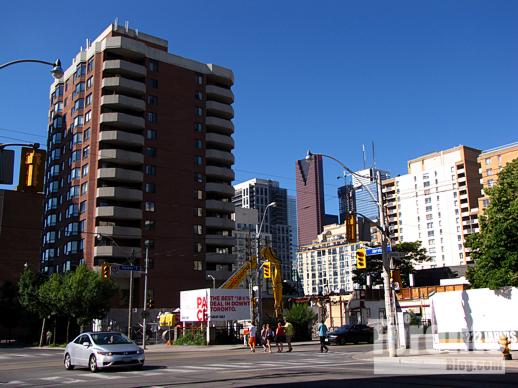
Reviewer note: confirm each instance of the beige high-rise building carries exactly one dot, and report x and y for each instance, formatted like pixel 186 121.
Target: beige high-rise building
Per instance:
pixel 491 163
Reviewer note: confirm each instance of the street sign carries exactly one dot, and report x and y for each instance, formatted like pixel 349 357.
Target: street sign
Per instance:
pixel 376 251
pixel 123 267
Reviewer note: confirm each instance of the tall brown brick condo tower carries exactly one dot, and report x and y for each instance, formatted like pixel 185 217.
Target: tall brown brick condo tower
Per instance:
pixel 140 154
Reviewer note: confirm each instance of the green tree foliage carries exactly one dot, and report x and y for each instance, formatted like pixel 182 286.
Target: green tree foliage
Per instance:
pixel 301 316
pixel 29 296
pixel 495 248
pixel 414 254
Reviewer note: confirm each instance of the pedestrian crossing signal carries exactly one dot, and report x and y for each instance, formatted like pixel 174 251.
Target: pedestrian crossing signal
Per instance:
pixel 267 270
pixel 106 271
pixel 361 259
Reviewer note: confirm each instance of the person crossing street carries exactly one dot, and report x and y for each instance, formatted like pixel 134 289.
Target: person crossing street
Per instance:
pixel 322 333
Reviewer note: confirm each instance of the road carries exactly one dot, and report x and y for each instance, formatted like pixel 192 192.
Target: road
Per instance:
pixel 306 366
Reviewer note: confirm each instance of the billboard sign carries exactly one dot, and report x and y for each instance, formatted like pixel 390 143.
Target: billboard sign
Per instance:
pixel 210 304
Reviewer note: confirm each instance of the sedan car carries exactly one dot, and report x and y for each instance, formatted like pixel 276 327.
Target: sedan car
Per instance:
pixel 99 350
pixel 351 333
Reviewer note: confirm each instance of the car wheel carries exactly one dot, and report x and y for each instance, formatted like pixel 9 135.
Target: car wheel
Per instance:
pixel 68 362
pixel 92 364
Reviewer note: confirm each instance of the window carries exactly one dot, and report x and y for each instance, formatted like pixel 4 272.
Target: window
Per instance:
pixel 80 87
pixel 88 100
pixel 80 70
pixel 74 174
pixel 84 188
pixel 198 194
pixel 79 104
pixel 149 243
pixel 152 117
pixel 153 83
pixel 198 265
pixel 77 138
pixel 197 247
pixel 198 144
pixel 53 187
pixel 431 242
pixel 57 122
pixel 489 171
pixel 150 169
pixel 198 177
pixel 78 121
pixel 198 127
pixel 429 208
pixel 150 151
pixel 88 116
pixel 82 207
pixel 59 90
pixel 54 170
pixel 490 183
pixel 150 188
pixel 149 206
pixel 427 200
pixel 73 192
pixel 198 160
pixel 152 65
pixel 151 134
pixel 75 156
pixel 429 225
pixel 86 152
pixel 90 65
pixel 198 212
pixel 72 210
pixel 431 233
pixel 58 107
pixel 199 79
pixel 199 112
pixel 198 96
pixel 149 225
pixel 152 100
pixel 426 184
pixel 86 134
pixel 487 161
pixel 89 82
pixel 198 229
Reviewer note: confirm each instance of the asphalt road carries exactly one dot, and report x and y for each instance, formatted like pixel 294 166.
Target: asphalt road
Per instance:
pixel 305 366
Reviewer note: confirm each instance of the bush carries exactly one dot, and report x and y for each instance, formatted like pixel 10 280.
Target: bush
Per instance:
pixel 301 316
pixel 192 338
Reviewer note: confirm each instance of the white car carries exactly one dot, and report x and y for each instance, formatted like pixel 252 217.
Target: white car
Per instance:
pixel 98 350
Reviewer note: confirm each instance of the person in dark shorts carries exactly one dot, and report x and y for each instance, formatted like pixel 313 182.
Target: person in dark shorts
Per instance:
pixel 280 337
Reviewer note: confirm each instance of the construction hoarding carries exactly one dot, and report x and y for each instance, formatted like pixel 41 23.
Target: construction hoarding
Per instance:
pixel 214 304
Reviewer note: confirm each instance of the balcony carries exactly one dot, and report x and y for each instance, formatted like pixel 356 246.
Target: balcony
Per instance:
pixel 221 241
pixel 120 194
pixel 219 156
pixel 119 232
pixel 119 66
pixel 122 120
pixel 220 173
pixel 220 258
pixel 124 86
pixel 220 141
pixel 117 251
pixel 219 188
pixel 117 101
pixel 118 212
pixel 220 206
pixel 219 94
pixel 217 124
pixel 218 109
pixel 219 223
pixel 121 157
pixel 120 174
pixel 120 137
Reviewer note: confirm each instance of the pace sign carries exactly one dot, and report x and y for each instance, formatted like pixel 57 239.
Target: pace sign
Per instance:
pixel 210 304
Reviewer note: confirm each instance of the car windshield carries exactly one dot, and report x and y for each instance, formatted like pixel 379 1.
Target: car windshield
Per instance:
pixel 342 329
pixel 110 339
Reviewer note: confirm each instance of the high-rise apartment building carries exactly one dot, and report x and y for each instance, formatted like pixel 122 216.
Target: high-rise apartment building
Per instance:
pixel 257 194
pixel 139 155
pixel 491 163
pixel 310 198
pixel 292 222
pixel 436 203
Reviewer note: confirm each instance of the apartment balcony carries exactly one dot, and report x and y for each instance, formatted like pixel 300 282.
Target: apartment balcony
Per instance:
pixel 219 188
pixel 220 173
pixel 216 124
pixel 117 101
pixel 218 109
pixel 219 94
pixel 219 223
pixel 120 174
pixel 124 86
pixel 220 258
pixel 220 75
pixel 219 156
pixel 220 141
pixel 122 120
pixel 118 212
pixel 220 241
pixel 122 138
pixel 117 251
pixel 122 67
pixel 219 206
pixel 119 232
pixel 120 194
pixel 121 157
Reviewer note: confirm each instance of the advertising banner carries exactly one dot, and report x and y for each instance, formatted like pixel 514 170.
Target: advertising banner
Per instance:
pixel 209 304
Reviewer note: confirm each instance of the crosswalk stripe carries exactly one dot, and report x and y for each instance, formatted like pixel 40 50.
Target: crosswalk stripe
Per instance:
pixel 141 373
pixel 178 370
pixel 203 368
pixel 101 376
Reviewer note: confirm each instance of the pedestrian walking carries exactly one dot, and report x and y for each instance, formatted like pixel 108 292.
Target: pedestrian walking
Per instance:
pixel 280 337
pixel 290 331
pixel 269 337
pixel 252 329
pixel 322 333
pixel 264 335
pixel 49 337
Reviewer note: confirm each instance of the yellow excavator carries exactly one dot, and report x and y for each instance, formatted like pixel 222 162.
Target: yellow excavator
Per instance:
pixel 268 255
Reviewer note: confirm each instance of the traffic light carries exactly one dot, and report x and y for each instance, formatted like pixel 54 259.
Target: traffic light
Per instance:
pixel 106 271
pixel 267 270
pixel 361 259
pixel 32 170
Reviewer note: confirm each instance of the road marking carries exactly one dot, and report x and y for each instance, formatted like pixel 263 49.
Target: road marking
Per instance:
pixel 18 355
pixel 100 376
pixel 204 368
pixel 177 370
pixel 15 382
pixel 142 373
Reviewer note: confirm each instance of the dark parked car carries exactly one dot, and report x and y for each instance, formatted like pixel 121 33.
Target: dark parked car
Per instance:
pixel 351 333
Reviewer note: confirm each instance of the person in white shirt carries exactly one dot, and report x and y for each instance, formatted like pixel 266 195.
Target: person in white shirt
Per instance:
pixel 252 330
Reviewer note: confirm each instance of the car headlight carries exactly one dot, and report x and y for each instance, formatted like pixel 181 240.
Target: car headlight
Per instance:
pixel 104 353
pixel 140 351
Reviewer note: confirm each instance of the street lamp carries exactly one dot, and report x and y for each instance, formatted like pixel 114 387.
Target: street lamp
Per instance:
pixel 258 262
pixel 391 327
pixel 213 280
pixel 57 71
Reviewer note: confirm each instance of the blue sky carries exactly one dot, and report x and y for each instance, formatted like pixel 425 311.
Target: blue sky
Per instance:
pixel 412 76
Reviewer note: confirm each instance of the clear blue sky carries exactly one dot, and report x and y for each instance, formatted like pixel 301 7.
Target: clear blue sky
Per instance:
pixel 412 76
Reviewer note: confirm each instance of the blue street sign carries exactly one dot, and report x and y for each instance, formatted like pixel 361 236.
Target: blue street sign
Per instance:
pixel 376 251
pixel 129 267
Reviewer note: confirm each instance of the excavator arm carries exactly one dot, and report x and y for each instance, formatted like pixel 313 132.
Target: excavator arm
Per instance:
pixel 269 255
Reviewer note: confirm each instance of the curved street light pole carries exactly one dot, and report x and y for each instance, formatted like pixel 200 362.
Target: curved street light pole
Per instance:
pixel 389 310
pixel 57 71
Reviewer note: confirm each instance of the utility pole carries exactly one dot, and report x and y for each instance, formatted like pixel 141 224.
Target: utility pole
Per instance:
pixel 130 296
pixel 386 271
pixel 144 312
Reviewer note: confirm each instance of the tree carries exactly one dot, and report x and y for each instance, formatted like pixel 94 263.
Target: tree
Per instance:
pixel 51 293
pixel 414 254
pixel 11 311
pixel 301 316
pixel 495 248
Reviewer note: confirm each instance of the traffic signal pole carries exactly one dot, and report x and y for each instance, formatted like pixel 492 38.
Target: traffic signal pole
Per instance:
pixel 145 299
